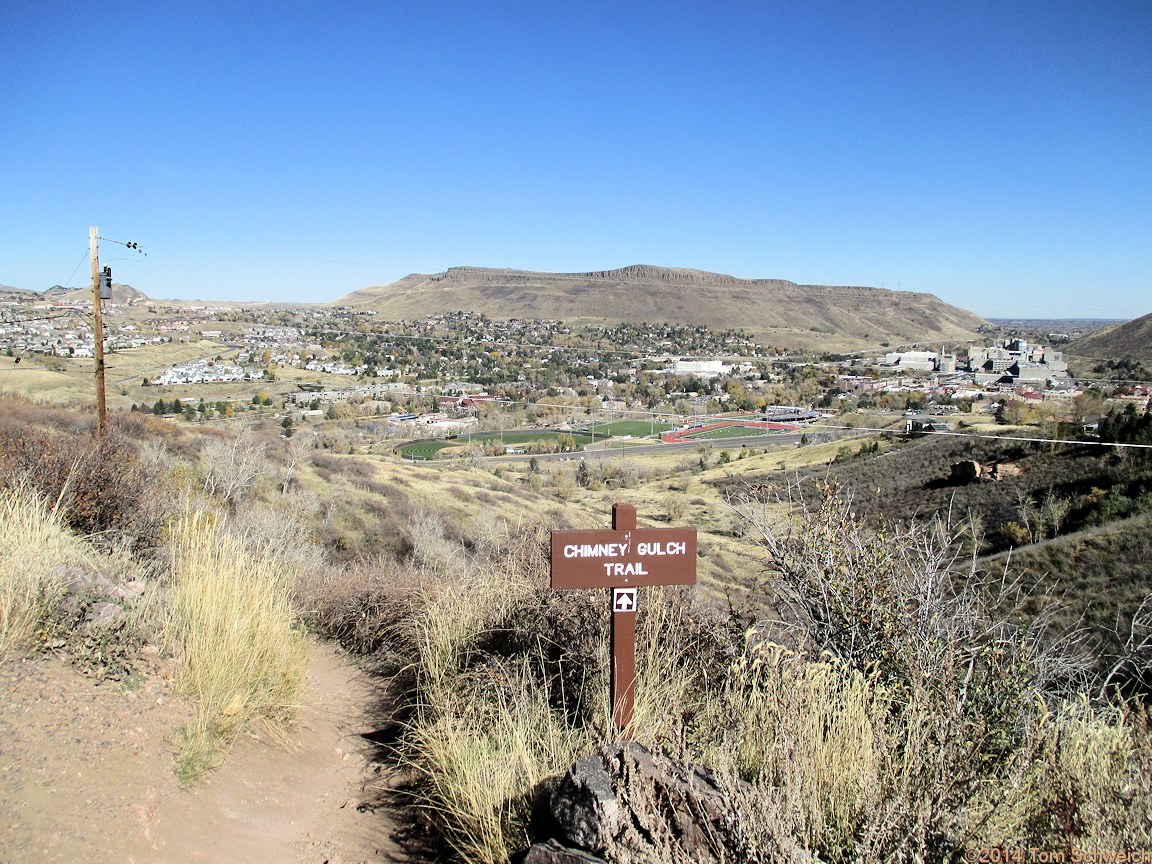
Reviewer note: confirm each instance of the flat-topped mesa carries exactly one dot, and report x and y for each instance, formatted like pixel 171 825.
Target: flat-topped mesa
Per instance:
pixel 783 313
pixel 645 273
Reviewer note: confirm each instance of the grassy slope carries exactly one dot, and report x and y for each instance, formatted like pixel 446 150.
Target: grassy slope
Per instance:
pixel 1100 573
pixel 36 382
pixel 1131 339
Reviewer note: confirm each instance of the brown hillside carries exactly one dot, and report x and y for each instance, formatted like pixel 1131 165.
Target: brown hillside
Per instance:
pixel 1117 341
pixel 781 312
pixel 122 295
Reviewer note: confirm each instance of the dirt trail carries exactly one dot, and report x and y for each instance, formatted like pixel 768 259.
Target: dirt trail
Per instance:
pixel 86 775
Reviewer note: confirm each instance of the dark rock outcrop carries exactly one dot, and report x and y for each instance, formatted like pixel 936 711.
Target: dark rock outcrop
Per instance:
pixel 551 852
pixel 626 804
pixel 963 473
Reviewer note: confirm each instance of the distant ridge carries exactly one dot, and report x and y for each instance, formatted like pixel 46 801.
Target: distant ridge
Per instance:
pixel 782 312
pixel 122 295
pixel 11 293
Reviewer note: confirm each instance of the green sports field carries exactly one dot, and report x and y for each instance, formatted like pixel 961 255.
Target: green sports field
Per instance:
pixel 635 428
pixel 424 449
pixel 431 449
pixel 521 436
pixel 731 432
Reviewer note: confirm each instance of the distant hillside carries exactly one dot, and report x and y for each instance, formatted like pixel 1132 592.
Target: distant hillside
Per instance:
pixel 7 292
pixel 781 312
pixel 122 295
pixel 1132 340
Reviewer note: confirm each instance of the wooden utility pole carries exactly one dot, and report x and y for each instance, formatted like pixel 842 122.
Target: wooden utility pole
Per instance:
pixel 98 349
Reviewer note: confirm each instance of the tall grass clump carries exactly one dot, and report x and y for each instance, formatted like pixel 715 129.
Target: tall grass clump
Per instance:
pixel 1084 781
pixel 242 655
pixel 804 736
pixel 481 752
pixel 496 667
pixel 34 543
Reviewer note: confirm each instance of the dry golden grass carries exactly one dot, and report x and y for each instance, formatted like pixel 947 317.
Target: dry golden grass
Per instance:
pixel 1088 773
pixel 33 547
pixel 810 733
pixel 481 739
pixel 42 385
pixel 480 758
pixel 467 495
pixel 242 657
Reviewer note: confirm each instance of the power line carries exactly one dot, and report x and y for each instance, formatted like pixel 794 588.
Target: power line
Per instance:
pixel 129 244
pixel 958 434
pixel 80 264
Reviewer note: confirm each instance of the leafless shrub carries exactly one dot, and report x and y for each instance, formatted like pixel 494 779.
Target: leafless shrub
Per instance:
pixel 231 465
pixel 280 530
pixel 297 450
pixel 958 668
pixel 431 547
pixel 1134 658
pixel 906 600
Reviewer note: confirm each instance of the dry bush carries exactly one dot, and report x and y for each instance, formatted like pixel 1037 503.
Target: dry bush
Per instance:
pixel 231 465
pixel 431 548
pixel 930 715
pixel 906 601
pixel 360 604
pixel 242 656
pixel 100 487
pixel 281 529
pixel 295 452
pixel 675 506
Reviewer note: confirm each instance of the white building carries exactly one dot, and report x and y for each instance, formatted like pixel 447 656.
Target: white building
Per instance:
pixel 701 368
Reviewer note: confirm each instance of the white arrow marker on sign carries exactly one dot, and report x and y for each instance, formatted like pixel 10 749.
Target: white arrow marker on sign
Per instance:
pixel 623 599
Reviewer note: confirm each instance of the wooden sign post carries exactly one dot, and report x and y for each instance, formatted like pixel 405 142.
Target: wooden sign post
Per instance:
pixel 623 559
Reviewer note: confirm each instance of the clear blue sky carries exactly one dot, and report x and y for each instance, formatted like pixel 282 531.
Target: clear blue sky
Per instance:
pixel 996 154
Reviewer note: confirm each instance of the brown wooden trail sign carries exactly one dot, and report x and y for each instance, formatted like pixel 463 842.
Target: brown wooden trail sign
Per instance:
pixel 623 558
